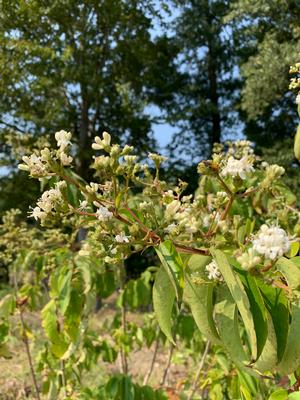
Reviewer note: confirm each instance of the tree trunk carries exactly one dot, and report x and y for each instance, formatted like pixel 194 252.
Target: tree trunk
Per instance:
pixel 83 136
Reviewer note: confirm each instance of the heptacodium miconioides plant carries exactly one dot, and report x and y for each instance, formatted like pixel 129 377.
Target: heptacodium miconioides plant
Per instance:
pixel 229 251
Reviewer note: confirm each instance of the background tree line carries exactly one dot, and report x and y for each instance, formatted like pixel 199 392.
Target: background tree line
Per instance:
pixel 214 70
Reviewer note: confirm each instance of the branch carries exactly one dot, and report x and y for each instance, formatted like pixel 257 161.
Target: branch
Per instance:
pixel 12 126
pixel 201 365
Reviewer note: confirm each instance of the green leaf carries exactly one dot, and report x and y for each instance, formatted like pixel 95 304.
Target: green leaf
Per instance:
pixel 291 357
pixel 277 305
pixel 199 297
pixel 64 289
pixel 297 144
pixel 7 305
pixel 73 314
pixel 239 295
pixel 226 315
pixel 294 249
pixel 246 394
pixel 163 301
pixel 173 265
pixel 84 266
pixel 294 396
pixel 290 271
pixel 257 307
pixel 50 325
pixel 105 283
pixel 280 394
pixel 268 358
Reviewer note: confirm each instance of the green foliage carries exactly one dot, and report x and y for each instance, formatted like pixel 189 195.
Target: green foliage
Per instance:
pixel 228 253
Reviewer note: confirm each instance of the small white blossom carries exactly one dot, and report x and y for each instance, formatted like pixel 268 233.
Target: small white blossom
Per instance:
pixel 213 272
pixel 82 205
pixel 103 214
pixel 172 208
pixel 37 213
pixel 122 238
pixel 222 195
pixel 298 98
pixel 34 165
pixel 130 159
pixel 102 143
pixel 63 139
pixel 49 200
pixel 206 221
pixel 235 167
pixel 157 158
pixel 92 187
pixel 249 260
pixel 272 242
pixel 171 229
pixel 65 159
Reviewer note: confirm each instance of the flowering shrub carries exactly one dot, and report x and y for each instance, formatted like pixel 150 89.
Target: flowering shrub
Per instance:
pixel 229 253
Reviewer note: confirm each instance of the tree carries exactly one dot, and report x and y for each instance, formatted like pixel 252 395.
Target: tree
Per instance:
pixel 268 35
pixel 84 66
pixel 205 107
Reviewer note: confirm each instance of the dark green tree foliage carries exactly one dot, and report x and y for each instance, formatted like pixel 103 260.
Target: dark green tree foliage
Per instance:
pixel 268 33
pixel 84 66
pixel 205 107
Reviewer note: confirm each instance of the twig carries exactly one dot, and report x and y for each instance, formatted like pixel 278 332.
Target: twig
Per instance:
pixel 63 376
pixel 227 208
pixel 149 373
pixel 201 365
pixel 226 188
pixel 166 371
pixel 25 337
pixel 124 361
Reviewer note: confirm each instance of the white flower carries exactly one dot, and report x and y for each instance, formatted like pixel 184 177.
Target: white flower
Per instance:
pixel 249 259
pixel 206 221
pixel 214 272
pixel 50 199
pixel 92 187
pixel 130 159
pixel 122 238
pixel 171 229
pixel 172 208
pixel 82 205
pixel 37 213
pixel 101 144
pixel 103 214
pixel 65 159
pixel 236 167
pixel 272 242
pixel 298 98
pixel 34 165
pixel 63 139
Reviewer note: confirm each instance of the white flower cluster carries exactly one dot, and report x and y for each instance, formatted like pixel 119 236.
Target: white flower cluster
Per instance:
pixel 103 214
pixel 48 202
pixel 63 139
pixel 272 242
pixel 38 165
pixel 235 167
pixel 249 260
pixel 122 238
pixel 34 165
pixel 102 143
pixel 213 272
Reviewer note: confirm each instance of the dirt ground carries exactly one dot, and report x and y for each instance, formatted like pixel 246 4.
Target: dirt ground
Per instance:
pixel 15 378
